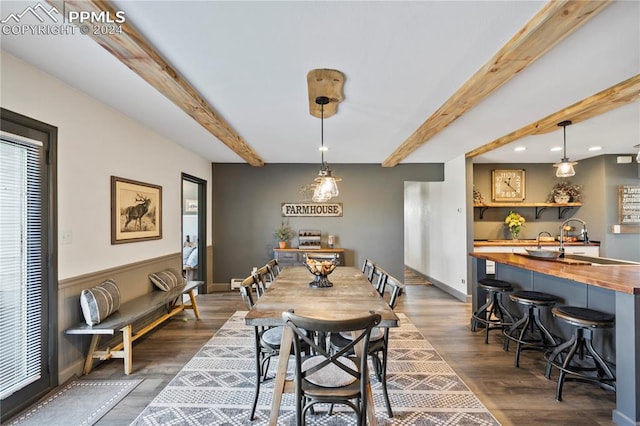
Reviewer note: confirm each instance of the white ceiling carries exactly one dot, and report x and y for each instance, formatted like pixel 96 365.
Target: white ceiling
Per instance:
pixel 402 60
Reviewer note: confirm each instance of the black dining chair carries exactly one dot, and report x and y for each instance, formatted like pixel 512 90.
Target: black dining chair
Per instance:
pixel 326 377
pixel 267 339
pixel 378 278
pixel 274 268
pixel 263 278
pixel 379 346
pixel 367 269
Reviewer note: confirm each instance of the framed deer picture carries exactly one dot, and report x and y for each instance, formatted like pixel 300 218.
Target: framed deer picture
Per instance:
pixel 136 211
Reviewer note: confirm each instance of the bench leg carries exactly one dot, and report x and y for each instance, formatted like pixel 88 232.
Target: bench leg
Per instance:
pixel 127 342
pixel 194 305
pixel 88 362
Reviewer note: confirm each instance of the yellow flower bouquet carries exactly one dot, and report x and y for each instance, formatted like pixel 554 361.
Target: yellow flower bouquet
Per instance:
pixel 515 222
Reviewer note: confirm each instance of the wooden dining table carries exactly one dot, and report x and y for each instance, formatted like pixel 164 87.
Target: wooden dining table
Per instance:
pixel 351 295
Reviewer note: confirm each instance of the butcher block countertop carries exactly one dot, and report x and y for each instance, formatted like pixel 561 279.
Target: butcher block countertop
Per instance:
pixel 621 278
pixel 527 243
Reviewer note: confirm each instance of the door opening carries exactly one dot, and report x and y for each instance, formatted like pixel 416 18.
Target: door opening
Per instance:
pixel 194 238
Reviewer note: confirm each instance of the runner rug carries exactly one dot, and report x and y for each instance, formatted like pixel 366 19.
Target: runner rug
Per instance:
pixel 217 386
pixel 79 402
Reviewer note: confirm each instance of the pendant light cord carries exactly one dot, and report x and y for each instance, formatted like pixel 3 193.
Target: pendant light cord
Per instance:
pixel 564 125
pixel 564 157
pixel 322 133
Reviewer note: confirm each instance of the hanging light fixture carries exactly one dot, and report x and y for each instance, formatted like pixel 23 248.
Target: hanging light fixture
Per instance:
pixel 565 167
pixel 326 186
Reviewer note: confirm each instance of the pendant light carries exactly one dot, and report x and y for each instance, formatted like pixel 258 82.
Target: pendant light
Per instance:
pixel 565 167
pixel 326 186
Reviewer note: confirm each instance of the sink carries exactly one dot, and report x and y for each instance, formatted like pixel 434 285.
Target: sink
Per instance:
pixel 594 260
pixel 543 254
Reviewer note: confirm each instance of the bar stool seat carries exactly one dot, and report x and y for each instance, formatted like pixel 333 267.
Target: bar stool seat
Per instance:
pixel 529 332
pixel 588 366
pixel 493 314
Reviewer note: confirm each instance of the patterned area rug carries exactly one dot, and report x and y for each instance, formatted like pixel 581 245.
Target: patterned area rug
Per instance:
pixel 216 387
pixel 80 402
pixel 412 277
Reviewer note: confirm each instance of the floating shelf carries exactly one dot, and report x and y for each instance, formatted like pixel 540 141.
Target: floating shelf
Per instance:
pixel 540 207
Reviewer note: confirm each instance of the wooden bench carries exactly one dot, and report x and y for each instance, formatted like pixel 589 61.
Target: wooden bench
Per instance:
pixel 123 319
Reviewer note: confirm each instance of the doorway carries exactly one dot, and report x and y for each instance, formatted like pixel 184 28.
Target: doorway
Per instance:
pixel 28 262
pixel 194 230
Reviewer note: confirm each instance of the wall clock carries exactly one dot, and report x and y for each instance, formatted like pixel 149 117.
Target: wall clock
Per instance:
pixel 507 185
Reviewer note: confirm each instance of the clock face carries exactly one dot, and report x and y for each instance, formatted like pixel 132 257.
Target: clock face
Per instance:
pixel 507 185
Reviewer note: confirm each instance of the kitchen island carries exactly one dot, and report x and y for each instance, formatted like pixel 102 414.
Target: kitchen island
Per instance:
pixel 609 288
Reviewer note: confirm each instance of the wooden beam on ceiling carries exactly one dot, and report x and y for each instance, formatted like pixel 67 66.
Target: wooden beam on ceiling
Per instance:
pixel 621 94
pixel 325 82
pixel 130 48
pixel 554 22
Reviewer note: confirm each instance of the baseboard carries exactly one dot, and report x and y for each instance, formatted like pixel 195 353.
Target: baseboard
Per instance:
pixel 71 370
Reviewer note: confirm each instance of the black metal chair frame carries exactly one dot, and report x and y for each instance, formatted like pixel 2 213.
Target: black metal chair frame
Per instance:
pixel 599 373
pixel 263 351
pixel 309 394
pixel 529 332
pixel 367 269
pixel 493 314
pixel 274 267
pixel 380 347
pixel 378 279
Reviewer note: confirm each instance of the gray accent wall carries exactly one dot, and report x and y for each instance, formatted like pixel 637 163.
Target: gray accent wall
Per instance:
pixel 246 205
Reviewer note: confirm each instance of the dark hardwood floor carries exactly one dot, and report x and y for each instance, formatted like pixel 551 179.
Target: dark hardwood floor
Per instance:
pixel 515 396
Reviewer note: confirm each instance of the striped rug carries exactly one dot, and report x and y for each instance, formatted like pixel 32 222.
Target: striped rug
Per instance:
pixel 216 387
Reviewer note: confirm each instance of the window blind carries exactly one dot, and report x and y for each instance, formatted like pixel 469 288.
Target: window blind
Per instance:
pixel 21 264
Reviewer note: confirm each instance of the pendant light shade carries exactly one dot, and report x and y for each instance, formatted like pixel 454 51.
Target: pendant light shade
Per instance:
pixel 565 167
pixel 326 186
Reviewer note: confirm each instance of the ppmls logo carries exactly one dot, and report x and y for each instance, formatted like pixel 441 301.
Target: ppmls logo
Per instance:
pixel 89 22
pixel 39 11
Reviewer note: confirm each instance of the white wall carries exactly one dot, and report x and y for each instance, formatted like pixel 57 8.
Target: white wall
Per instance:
pixel 436 228
pixel 94 143
pixel 416 235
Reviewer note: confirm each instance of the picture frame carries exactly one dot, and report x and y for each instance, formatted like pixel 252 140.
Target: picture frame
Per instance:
pixel 136 211
pixel 508 185
pixel 191 206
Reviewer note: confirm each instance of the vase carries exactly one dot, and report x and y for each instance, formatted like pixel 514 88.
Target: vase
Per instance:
pixel 514 234
pixel 562 198
pixel 283 244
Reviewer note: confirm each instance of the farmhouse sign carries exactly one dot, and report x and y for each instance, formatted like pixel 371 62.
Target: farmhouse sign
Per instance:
pixel 312 209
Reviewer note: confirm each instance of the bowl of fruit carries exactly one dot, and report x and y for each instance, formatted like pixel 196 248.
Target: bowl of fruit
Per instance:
pixel 321 268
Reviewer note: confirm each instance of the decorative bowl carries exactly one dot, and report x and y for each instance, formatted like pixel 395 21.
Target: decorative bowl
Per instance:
pixel 543 254
pixel 321 269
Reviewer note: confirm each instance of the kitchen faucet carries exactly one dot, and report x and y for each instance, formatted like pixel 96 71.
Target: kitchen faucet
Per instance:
pixel 538 238
pixel 584 232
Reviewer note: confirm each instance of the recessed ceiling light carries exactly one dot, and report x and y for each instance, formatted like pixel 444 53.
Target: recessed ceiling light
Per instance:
pixel 520 148
pixel 595 148
pixel 556 148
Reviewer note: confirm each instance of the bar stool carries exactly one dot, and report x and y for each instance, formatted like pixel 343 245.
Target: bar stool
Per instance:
pixel 529 332
pixel 493 314
pixel 590 367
